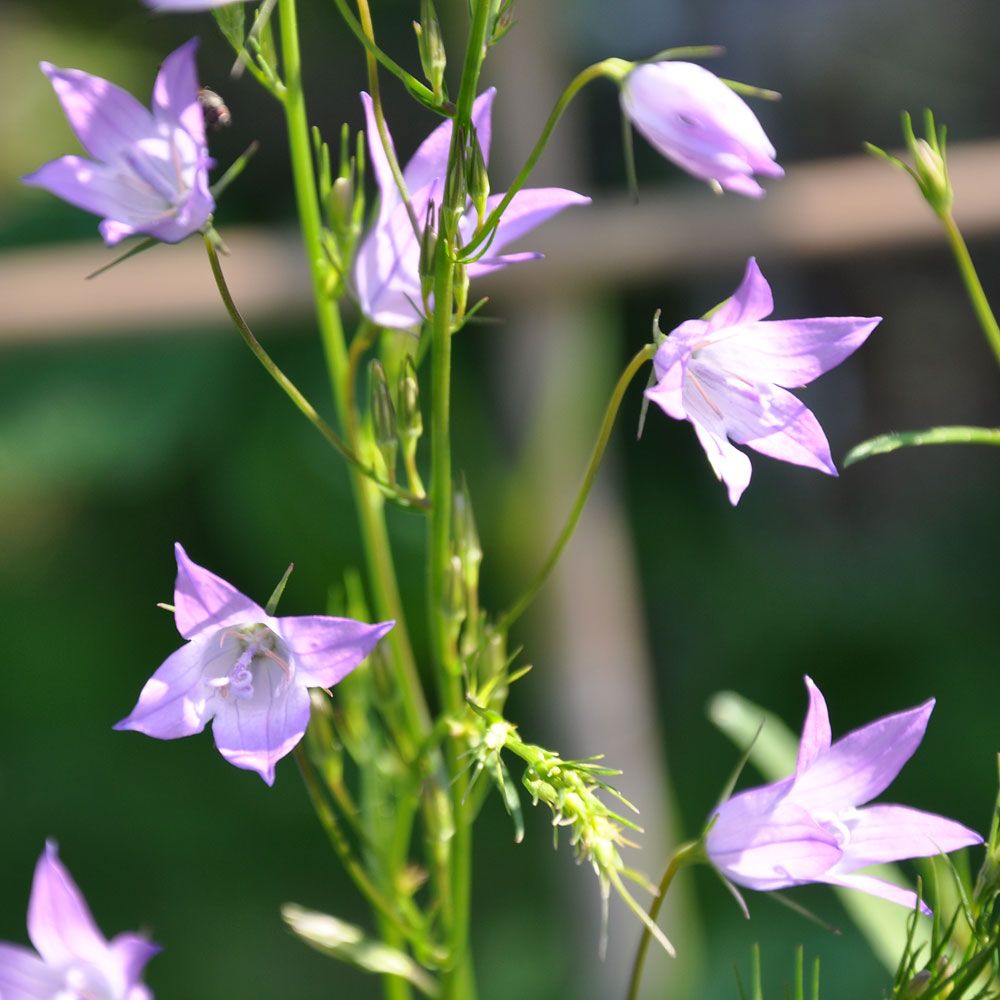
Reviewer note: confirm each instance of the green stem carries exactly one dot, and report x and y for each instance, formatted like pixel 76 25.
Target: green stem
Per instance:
pixel 973 286
pixel 603 68
pixel 687 854
pixel 423 94
pixel 610 415
pixel 375 538
pixel 289 387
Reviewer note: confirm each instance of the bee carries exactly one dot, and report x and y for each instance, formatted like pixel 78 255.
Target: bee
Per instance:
pixel 217 114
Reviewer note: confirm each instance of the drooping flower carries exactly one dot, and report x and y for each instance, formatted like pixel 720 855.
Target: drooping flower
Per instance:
pixel 149 172
pixel 694 119
pixel 244 670
pixel 72 959
pixel 186 5
pixel 729 374
pixel 810 827
pixel 386 268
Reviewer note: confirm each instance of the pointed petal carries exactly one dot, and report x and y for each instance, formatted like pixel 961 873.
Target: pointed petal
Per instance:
pixel 175 701
pixel 750 302
pixel 324 650
pixel 877 887
pixel 528 210
pixel 256 734
pixel 24 976
pixel 815 731
pixel 186 5
pixel 893 833
pixel 100 189
pixel 59 923
pixel 204 601
pixel 670 364
pixel 105 118
pixel 388 192
pixel 790 352
pixel 130 954
pixel 769 848
pixel 487 265
pixel 175 93
pixel 862 764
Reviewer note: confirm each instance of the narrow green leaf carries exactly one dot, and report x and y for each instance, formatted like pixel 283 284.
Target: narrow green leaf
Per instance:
pixel 272 601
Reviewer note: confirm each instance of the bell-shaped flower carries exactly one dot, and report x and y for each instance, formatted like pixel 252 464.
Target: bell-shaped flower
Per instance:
pixel 729 376
pixel 386 273
pixel 694 119
pixel 72 960
pixel 245 671
pixel 149 172
pixel 811 826
pixel 186 5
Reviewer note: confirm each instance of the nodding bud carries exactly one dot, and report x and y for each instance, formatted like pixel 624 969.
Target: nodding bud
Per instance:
pixel 428 256
pixel 477 177
pixel 430 44
pixel 411 421
pixel 383 415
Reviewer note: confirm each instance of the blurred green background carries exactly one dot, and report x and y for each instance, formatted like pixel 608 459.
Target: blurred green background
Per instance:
pixel 881 584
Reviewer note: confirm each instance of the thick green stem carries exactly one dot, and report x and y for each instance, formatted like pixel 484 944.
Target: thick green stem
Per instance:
pixel 378 554
pixel 610 415
pixel 973 286
pixel 603 68
pixel 686 854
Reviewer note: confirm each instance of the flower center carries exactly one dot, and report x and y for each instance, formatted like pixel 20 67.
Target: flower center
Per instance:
pixel 257 644
pixel 839 824
pixel 84 982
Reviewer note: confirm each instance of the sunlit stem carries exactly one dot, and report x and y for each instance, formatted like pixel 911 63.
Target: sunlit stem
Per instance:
pixel 687 854
pixel 610 415
pixel 606 67
pixel 980 304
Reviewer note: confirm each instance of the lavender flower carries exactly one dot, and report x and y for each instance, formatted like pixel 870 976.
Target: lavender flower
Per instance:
pixel 245 671
pixel 728 375
pixel 809 827
pixel 74 961
pixel 183 5
pixel 149 172
pixel 386 269
pixel 694 119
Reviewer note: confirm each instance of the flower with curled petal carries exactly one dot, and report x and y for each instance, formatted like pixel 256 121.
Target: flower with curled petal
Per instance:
pixel 816 826
pixel 72 959
pixel 386 274
pixel 694 119
pixel 149 172
pixel 729 375
pixel 244 670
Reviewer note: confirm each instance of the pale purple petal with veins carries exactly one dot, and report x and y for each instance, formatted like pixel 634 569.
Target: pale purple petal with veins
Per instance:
pixel 24 976
pixel 727 376
pixel 204 601
pixel 175 92
pixel 187 5
pixel 324 650
pixel 809 827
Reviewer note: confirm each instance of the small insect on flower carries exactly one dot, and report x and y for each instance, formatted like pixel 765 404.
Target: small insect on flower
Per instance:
pixel 214 108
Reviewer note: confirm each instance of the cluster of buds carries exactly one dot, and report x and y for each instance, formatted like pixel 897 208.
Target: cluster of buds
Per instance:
pixel 343 200
pixel 395 419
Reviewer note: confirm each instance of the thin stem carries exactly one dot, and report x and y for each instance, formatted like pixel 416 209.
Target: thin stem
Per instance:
pixel 575 86
pixel 289 387
pixel 980 304
pixel 423 94
pixel 610 414
pixel 375 537
pixel 686 854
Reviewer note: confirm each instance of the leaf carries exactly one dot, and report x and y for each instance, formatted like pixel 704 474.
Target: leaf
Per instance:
pixel 885 443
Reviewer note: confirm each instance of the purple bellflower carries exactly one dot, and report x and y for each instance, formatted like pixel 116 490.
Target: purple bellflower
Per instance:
pixel 149 172
pixel 244 670
pixel 183 5
pixel 74 961
pixel 729 376
pixel 810 827
pixel 694 119
pixel 386 268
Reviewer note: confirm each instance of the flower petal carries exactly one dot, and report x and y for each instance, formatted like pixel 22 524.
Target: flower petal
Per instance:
pixel 174 702
pixel 527 210
pixel 815 731
pixel 389 196
pixel 892 833
pixel 181 5
pixel 324 650
pixel 877 887
pixel 204 601
pixel 257 733
pixel 105 118
pixel 862 764
pixel 130 954
pixel 59 923
pixel 175 93
pixel 791 352
pixel 750 302
pixel 24 976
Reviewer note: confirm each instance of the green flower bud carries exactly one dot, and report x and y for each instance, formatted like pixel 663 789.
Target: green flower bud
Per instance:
pixel 383 415
pixel 430 44
pixel 477 178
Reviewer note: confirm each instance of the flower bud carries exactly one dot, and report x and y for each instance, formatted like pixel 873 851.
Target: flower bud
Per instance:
pixel 932 175
pixel 383 415
pixel 477 178
pixel 433 57
pixel 427 260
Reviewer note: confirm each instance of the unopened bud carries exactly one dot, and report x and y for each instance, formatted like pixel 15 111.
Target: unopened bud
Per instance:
pixel 933 174
pixel 917 987
pixel 503 23
pixel 411 421
pixel 430 44
pixel 383 415
pixel 454 591
pixel 467 545
pixel 455 188
pixel 460 291
pixel 428 257
pixel 477 177
pixel 340 204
